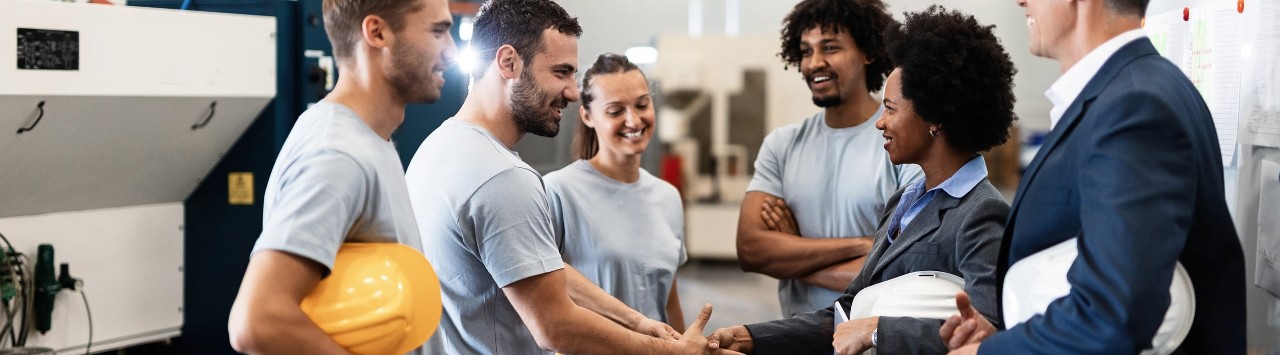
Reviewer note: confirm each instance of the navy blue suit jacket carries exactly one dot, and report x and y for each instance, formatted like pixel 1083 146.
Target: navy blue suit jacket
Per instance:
pixel 1134 169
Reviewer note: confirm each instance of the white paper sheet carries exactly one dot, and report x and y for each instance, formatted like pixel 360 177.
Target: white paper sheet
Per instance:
pixel 1224 103
pixel 1261 102
pixel 1169 33
pixel 1207 49
pixel 1268 262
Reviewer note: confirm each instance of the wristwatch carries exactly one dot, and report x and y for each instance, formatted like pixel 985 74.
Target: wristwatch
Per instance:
pixel 875 337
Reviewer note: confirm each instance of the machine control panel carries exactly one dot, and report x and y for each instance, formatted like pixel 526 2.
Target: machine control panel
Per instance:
pixel 41 49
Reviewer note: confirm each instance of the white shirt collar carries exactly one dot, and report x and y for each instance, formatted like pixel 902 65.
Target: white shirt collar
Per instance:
pixel 1064 91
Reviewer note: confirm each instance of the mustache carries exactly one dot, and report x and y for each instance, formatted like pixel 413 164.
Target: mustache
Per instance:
pixel 560 103
pixel 818 73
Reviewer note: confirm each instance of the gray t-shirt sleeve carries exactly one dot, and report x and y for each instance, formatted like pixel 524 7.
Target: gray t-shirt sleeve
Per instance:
pixel 555 205
pixel 512 225
pixel 319 199
pixel 769 165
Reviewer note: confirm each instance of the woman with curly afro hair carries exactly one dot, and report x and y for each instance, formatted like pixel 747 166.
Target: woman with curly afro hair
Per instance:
pixel 949 97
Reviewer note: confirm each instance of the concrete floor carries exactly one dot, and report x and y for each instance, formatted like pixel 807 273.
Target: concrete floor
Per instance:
pixel 736 297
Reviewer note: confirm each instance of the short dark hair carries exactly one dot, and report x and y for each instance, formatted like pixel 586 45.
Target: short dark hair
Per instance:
pixel 1129 7
pixel 865 20
pixel 585 142
pixel 519 23
pixel 957 75
pixel 343 20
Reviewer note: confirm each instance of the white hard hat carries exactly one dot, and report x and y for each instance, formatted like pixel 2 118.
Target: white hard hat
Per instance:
pixel 1036 281
pixel 921 294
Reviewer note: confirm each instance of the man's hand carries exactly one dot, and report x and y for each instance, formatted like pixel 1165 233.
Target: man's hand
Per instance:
pixel 656 329
pixel 777 216
pixel 967 328
pixel 692 341
pixel 735 338
pixel 971 349
pixel 854 337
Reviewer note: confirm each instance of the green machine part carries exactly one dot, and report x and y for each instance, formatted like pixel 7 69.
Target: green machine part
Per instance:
pixel 46 288
pixel 8 285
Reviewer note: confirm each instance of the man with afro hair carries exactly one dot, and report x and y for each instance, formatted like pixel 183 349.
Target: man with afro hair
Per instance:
pixel 821 184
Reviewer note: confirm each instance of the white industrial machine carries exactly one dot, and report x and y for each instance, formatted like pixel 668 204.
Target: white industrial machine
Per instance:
pixel 110 116
pixel 712 67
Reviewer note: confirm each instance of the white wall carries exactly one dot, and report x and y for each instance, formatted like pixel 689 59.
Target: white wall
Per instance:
pixel 614 26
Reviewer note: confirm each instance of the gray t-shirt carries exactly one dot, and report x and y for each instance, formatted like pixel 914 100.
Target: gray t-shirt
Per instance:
pixel 836 182
pixel 335 181
pixel 626 237
pixel 485 225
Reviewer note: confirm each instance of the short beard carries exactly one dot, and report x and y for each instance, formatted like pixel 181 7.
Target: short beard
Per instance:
pixel 408 79
pixel 527 107
pixel 828 101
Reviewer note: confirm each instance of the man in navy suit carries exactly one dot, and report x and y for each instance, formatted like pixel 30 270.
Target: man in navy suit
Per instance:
pixel 1133 169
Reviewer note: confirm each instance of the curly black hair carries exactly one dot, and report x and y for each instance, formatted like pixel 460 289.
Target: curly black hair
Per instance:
pixel 865 20
pixel 957 75
pixel 519 23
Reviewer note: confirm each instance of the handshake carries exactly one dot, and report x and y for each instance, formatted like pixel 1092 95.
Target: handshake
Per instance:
pixel 960 333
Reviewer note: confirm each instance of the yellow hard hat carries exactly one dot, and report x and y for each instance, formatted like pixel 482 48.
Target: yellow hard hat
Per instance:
pixel 381 298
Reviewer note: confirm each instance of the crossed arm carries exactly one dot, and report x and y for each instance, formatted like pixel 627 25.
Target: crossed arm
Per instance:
pixel 769 243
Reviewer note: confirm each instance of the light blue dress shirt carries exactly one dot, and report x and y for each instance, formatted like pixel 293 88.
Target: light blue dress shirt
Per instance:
pixel 957 186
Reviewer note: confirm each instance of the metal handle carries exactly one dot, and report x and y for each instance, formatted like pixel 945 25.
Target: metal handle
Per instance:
pixel 39 106
pixel 213 107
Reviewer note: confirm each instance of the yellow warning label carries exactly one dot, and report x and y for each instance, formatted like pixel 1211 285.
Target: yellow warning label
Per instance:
pixel 240 188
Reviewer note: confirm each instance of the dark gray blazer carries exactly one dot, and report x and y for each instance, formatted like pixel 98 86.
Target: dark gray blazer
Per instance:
pixel 956 236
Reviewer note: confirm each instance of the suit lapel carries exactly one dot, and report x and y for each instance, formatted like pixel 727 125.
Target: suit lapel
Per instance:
pixel 1071 116
pixel 877 252
pixel 1064 126
pixel 878 248
pixel 924 224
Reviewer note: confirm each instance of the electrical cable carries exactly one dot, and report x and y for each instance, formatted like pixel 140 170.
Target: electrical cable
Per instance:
pixel 18 296
pixel 28 300
pixel 10 313
pixel 8 328
pixel 89 314
pixel 7 242
pixel 22 286
pixel 13 278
